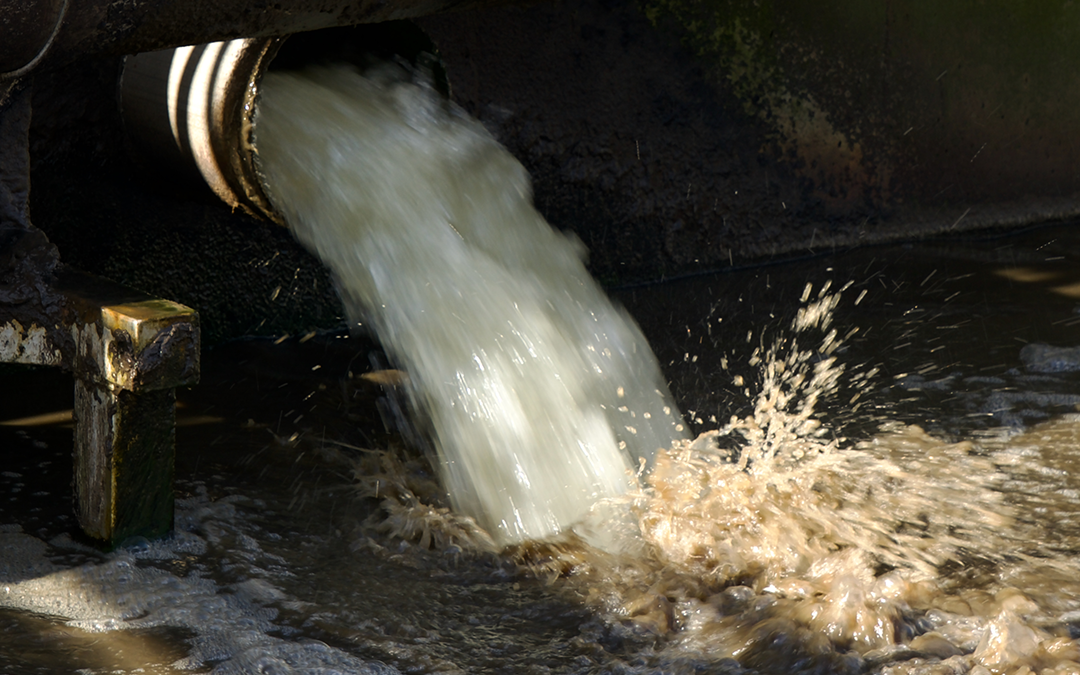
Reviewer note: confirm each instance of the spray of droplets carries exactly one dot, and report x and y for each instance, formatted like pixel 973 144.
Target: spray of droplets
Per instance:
pixel 773 542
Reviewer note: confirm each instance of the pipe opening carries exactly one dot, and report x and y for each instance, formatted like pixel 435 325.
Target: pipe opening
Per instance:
pixel 188 112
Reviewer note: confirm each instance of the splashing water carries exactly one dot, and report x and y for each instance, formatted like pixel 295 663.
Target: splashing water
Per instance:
pixel 543 397
pixel 790 550
pixel 769 544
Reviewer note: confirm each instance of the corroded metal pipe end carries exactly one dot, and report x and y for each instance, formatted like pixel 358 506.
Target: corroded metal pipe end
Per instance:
pixel 191 109
pixel 189 112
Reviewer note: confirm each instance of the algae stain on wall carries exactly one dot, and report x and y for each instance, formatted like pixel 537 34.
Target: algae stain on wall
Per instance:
pixel 739 43
pixel 904 101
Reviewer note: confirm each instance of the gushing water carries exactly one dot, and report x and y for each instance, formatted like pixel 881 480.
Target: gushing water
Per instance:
pixel 543 397
pixel 772 545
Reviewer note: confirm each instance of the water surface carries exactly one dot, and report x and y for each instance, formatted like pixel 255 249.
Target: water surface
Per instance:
pixel 928 525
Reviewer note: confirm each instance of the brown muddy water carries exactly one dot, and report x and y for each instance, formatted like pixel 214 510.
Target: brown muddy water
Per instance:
pixel 897 499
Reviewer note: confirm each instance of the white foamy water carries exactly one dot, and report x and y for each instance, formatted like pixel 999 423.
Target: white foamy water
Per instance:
pixel 543 397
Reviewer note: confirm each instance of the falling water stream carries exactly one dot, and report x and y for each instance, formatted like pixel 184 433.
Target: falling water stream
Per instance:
pixel 878 472
pixel 542 396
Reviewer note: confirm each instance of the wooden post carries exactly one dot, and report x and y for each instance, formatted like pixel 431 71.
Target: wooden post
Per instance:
pixel 124 459
pixel 132 359
pixel 128 353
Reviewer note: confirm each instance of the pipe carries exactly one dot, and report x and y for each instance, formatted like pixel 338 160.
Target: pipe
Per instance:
pixel 28 30
pixel 52 33
pixel 190 110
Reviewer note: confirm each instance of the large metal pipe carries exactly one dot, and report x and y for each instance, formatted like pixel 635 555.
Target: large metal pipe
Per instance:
pixel 28 29
pixel 51 33
pixel 189 112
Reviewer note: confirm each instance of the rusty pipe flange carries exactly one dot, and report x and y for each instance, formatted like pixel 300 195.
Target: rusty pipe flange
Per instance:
pixel 27 30
pixel 191 109
pixel 188 112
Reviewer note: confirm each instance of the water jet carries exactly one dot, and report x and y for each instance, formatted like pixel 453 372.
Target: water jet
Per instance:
pixel 543 397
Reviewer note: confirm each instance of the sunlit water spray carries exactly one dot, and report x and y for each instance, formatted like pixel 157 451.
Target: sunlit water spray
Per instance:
pixel 543 397
pixel 776 544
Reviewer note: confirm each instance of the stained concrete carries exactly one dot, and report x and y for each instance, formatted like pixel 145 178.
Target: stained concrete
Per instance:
pixel 643 138
pixel 675 135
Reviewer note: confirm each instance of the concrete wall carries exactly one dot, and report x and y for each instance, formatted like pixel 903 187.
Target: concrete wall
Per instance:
pixel 671 136
pixel 677 134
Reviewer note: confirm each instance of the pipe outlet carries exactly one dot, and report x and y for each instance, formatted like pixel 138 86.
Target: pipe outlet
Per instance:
pixel 189 110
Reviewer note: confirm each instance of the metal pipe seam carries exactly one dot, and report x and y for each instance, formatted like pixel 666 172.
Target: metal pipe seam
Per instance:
pixel 29 38
pixel 189 112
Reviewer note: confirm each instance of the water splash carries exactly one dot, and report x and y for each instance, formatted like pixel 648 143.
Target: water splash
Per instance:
pixel 770 543
pixel 791 550
pixel 773 544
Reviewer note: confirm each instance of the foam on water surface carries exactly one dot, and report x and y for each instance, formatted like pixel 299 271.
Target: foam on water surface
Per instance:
pixel 543 397
pixel 117 608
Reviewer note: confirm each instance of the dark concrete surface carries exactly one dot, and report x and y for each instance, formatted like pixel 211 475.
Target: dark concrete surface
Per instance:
pixel 629 144
pixel 638 141
pixel 673 135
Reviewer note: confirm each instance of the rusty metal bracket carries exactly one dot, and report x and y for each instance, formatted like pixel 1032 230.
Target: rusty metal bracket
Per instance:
pixel 128 353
